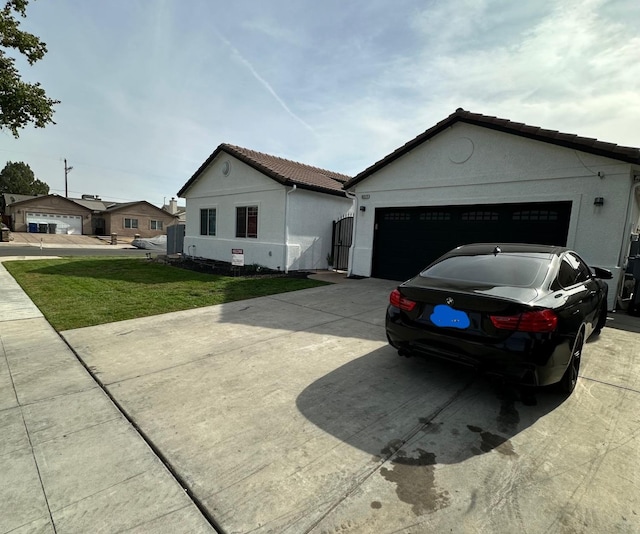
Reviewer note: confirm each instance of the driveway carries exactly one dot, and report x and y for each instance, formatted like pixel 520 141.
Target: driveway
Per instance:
pixel 291 414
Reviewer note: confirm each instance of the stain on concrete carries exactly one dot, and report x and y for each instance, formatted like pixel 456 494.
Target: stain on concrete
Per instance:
pixel 491 442
pixel 391 447
pixel 376 505
pixel 508 418
pixel 415 482
pixel 430 428
pixel 473 501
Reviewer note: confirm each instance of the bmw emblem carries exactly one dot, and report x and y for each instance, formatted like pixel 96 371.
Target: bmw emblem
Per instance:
pixel 449 301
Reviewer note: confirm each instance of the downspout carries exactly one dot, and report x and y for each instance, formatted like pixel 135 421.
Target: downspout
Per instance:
pixel 286 229
pixel 353 197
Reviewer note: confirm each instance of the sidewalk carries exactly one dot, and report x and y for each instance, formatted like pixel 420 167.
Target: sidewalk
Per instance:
pixel 66 241
pixel 70 461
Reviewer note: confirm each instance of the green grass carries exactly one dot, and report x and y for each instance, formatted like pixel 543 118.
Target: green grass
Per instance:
pixel 79 292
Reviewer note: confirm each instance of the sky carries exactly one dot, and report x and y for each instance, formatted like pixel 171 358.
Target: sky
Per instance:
pixel 150 88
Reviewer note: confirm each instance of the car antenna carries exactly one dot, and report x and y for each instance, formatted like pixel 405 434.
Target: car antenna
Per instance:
pixel 497 250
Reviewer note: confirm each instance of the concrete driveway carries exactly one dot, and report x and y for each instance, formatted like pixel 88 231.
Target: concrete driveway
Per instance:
pixel 291 414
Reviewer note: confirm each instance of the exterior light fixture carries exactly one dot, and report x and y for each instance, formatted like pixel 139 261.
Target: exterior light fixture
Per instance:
pixel 598 201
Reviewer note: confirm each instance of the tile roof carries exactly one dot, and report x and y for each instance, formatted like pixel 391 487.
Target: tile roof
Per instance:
pixel 584 144
pixel 281 170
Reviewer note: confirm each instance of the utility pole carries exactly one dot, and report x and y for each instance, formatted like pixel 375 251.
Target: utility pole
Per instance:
pixel 66 171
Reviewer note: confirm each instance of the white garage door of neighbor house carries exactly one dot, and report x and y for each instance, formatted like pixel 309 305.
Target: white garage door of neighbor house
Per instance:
pixel 65 224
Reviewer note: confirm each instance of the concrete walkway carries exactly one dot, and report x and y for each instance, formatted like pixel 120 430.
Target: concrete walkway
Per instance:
pixel 66 241
pixel 69 460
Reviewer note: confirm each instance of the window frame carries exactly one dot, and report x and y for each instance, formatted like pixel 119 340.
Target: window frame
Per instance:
pixel 208 220
pixel 246 221
pixel 133 224
pixel 159 224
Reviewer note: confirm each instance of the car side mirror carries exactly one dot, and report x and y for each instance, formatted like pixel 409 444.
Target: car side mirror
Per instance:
pixel 603 274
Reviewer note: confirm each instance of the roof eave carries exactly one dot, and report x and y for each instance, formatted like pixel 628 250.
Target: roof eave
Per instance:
pixel 505 126
pixel 270 173
pixel 308 187
pixel 200 170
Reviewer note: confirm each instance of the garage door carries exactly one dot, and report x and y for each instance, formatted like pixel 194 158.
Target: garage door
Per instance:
pixel 65 224
pixel 407 239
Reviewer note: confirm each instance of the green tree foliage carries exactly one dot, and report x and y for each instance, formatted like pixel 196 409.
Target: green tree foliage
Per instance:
pixel 18 178
pixel 21 103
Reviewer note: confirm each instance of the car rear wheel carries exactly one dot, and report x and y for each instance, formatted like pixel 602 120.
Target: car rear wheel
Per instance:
pixel 570 378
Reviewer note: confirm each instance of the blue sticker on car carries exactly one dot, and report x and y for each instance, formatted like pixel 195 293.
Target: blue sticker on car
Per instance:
pixel 444 315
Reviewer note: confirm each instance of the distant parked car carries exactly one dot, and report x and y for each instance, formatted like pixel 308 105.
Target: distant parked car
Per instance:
pixel 522 312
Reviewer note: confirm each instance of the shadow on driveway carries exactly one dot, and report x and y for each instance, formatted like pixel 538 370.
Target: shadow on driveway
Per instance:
pixel 421 391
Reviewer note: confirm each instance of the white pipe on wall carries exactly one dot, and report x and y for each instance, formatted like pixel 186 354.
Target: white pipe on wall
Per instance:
pixel 286 229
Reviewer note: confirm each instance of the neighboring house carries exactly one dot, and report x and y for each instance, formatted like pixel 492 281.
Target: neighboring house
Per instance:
pixel 10 198
pixel 278 212
pixel 88 215
pixel 474 178
pixel 137 218
pixel 68 216
pixel 178 211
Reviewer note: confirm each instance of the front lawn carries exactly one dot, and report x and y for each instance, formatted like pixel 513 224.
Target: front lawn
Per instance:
pixel 79 292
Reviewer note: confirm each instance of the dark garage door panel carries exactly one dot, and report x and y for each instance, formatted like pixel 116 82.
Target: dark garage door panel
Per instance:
pixel 408 239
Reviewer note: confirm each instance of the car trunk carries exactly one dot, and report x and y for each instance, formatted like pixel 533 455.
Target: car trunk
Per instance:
pixel 464 312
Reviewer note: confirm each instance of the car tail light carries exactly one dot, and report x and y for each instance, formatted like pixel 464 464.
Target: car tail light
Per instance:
pixel 533 321
pixel 397 300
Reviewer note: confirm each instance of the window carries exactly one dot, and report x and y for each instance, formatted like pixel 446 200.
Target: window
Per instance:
pixel 480 216
pixel 535 215
pixel 435 216
pixel 572 271
pixel 156 225
pixel 131 223
pixel 397 216
pixel 208 221
pixel 503 269
pixel 247 221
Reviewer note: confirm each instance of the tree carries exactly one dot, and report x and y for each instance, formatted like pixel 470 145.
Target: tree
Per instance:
pixel 18 178
pixel 21 103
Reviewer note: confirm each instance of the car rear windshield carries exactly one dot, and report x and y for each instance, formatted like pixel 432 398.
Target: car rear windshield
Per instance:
pixel 495 270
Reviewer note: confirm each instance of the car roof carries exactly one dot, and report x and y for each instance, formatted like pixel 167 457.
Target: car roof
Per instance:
pixel 490 248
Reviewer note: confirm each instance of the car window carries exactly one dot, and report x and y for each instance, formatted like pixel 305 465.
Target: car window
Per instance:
pixel 566 274
pixel 495 270
pixel 584 273
pixel 572 271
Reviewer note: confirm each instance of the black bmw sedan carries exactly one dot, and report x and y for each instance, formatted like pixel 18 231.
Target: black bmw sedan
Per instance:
pixel 519 311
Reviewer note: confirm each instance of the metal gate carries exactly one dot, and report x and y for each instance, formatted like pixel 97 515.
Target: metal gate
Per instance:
pixel 175 238
pixel 341 242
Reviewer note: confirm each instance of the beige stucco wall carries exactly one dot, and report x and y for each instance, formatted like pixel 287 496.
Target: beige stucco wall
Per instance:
pixel 145 213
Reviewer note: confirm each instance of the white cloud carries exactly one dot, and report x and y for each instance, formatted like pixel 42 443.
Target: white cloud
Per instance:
pixel 239 57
